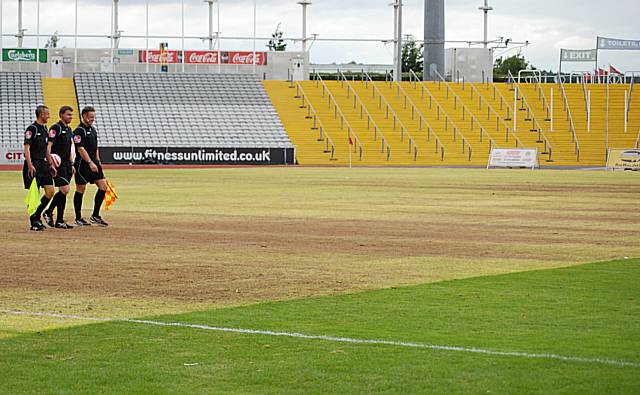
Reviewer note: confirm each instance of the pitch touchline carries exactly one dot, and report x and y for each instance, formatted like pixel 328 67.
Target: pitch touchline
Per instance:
pixel 474 350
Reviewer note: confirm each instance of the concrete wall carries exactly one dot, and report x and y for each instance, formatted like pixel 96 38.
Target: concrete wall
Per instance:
pixel 126 60
pixel 474 64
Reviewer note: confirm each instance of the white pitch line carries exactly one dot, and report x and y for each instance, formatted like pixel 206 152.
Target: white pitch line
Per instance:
pixel 474 350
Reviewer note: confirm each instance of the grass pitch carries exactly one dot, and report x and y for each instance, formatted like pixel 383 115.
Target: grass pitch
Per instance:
pixel 198 246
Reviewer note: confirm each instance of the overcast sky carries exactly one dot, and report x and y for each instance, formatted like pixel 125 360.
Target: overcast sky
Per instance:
pixel 548 25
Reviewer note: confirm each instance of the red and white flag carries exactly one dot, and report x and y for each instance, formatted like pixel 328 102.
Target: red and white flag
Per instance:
pixel 613 70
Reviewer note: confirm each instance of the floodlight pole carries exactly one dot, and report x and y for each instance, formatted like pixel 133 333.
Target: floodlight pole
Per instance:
pixel 218 36
pixel 210 2
pixel 116 32
pixel 255 25
pixel 304 4
pixel 75 40
pixel 146 37
pixel 397 39
pixel 38 35
pixel 182 33
pixel 486 10
pixel 20 34
pixel 1 32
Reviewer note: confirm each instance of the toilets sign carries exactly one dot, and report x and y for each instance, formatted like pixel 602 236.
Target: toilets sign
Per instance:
pixel 617 44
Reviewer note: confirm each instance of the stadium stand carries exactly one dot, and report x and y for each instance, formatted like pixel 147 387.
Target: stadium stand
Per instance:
pixel 181 110
pixel 20 93
pixel 60 92
pixel 593 140
pixel 421 120
pixel 408 124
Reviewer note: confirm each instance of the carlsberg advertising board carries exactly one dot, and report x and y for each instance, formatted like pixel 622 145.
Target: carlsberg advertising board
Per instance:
pixel 23 55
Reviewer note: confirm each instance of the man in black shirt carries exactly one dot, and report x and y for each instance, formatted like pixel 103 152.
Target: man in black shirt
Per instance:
pixel 60 137
pixel 37 162
pixel 88 168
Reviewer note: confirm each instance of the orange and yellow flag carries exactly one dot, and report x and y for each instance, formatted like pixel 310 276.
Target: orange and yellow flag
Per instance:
pixel 110 196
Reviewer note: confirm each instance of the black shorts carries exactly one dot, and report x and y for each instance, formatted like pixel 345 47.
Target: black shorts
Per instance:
pixel 85 176
pixel 65 172
pixel 43 174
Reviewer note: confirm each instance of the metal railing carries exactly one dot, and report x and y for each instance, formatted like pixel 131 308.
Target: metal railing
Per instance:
pixel 333 105
pixel 440 149
pixel 363 111
pixel 586 99
pixel 574 138
pixel 535 124
pixel 366 79
pixel 536 80
pixel 317 123
pixel 631 84
pixel 439 110
pixel 474 119
pixel 490 111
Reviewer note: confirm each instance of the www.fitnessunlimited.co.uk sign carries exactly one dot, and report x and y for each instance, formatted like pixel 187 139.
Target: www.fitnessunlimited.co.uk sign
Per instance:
pixel 23 55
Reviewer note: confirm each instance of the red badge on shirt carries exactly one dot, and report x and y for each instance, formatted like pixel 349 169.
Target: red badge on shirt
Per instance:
pixel 77 139
pixel 27 134
pixel 52 134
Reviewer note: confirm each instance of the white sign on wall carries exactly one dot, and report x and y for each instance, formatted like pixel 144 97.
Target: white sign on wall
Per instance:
pixel 11 155
pixel 510 158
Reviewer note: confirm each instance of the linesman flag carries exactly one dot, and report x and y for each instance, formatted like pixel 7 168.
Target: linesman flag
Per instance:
pixel 110 196
pixel 32 200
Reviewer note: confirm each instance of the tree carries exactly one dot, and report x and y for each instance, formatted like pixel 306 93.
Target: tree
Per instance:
pixel 412 56
pixel 513 64
pixel 53 41
pixel 277 43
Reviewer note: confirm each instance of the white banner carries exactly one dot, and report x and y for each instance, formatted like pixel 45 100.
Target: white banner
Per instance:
pixel 11 155
pixel 623 159
pixel 510 158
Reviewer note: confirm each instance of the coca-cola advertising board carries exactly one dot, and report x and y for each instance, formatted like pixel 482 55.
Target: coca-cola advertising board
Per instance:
pixel 247 58
pixel 158 57
pixel 203 57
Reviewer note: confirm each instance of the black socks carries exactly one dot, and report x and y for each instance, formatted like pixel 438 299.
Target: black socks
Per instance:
pixel 98 202
pixel 43 204
pixel 62 203
pixel 77 204
pixel 59 201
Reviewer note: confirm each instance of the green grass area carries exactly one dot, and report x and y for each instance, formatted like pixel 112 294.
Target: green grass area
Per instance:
pixel 589 311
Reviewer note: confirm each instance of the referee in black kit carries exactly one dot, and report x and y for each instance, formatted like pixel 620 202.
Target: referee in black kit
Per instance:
pixel 36 164
pixel 60 137
pixel 88 168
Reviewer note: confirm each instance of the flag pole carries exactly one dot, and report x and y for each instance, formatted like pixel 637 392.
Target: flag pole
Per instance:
pixel 350 144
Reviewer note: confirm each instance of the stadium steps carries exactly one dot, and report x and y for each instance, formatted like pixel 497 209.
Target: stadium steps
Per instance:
pixel 310 149
pixel 593 142
pixel 367 150
pixel 58 92
pixel 375 126
pixel 499 96
pixel 564 153
pixel 428 101
pixel 502 108
pixel 422 147
pixel 411 117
